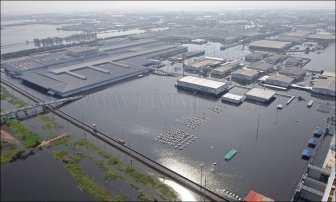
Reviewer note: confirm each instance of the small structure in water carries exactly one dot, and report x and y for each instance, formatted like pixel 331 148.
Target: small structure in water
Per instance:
pixel 317 132
pixel 230 154
pixel 306 154
pixel 312 143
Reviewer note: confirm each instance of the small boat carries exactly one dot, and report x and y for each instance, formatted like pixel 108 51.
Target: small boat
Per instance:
pixel 230 154
pixel 279 106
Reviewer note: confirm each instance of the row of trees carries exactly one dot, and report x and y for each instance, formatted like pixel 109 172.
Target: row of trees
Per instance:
pixel 76 38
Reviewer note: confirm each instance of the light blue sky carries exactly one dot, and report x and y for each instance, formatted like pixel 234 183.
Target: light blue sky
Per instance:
pixel 23 7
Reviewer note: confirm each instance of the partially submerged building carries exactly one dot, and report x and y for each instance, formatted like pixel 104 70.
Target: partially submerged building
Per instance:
pixel 224 69
pixel 279 80
pixel 262 67
pixel 255 56
pixel 270 45
pixel 205 63
pixel 245 75
pixel 275 58
pixel 203 86
pixel 294 72
pixel 260 95
pixel 325 87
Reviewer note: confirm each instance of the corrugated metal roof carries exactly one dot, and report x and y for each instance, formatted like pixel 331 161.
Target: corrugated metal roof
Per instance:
pixel 246 72
pixel 328 84
pixel 233 96
pixel 202 82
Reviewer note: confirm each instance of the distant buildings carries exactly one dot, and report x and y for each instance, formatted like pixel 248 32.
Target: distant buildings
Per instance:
pixel 203 64
pixel 275 58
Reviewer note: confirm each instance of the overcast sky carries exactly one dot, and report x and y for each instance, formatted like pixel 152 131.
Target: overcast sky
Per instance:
pixel 23 7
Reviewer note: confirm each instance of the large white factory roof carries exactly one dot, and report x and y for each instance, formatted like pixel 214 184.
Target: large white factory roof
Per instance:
pixel 270 44
pixel 202 82
pixel 258 92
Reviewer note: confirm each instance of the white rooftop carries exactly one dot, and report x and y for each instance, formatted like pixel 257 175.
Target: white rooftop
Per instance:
pixel 258 92
pixel 232 96
pixel 202 82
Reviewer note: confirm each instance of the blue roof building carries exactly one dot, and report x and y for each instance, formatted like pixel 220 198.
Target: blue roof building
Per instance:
pixel 306 154
pixel 312 143
pixel 317 132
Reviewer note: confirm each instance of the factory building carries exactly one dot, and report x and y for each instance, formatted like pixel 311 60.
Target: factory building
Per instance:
pixel 274 59
pixel 82 51
pixel 205 63
pixel 68 81
pixel 295 72
pixel 255 56
pixel 262 67
pixel 245 75
pixel 225 69
pixel 279 80
pixel 293 39
pixel 324 87
pixel 327 74
pixel 269 45
pixel 260 95
pixel 203 86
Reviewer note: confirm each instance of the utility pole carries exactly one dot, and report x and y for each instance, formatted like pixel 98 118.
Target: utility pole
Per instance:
pixel 182 64
pixel 204 189
pixel 201 179
pixel 258 126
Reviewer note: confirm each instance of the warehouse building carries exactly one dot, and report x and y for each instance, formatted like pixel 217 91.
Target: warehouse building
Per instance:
pixel 293 39
pixel 279 80
pixel 324 87
pixel 65 82
pixel 255 56
pixel 203 64
pixel 296 34
pixel 245 75
pixel 260 95
pixel 261 67
pixel 327 74
pixel 295 72
pixel 82 51
pixel 202 86
pixel 274 59
pixel 269 45
pixel 224 69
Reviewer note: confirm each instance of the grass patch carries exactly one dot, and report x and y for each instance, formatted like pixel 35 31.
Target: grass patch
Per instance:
pixel 141 177
pixel 29 139
pixel 118 197
pixel 88 185
pixel 143 197
pixel 61 141
pixel 109 174
pixel 5 95
pixel 166 191
pixel 58 154
pixel 6 156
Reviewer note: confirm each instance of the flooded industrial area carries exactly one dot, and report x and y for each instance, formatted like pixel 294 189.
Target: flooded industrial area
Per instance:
pixel 143 120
